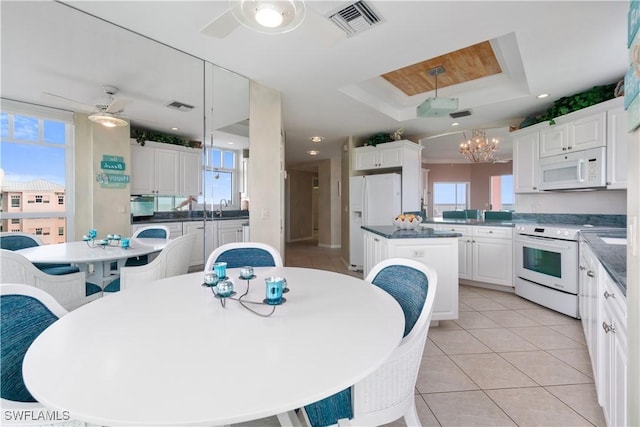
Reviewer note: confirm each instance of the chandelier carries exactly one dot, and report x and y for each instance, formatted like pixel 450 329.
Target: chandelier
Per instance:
pixel 479 148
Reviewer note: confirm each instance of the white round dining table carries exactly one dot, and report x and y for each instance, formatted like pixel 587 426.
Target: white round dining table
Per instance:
pixel 167 353
pixel 100 258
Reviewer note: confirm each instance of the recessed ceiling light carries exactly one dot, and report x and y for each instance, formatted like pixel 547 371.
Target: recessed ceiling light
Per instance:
pixel 455 124
pixel 313 152
pixel 543 95
pixel 316 139
pixel 175 128
pixel 230 143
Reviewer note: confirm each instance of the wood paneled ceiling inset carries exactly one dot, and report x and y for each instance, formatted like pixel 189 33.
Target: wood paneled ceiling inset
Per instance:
pixel 461 66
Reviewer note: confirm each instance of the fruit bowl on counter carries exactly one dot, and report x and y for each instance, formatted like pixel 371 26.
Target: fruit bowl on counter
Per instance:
pixel 407 221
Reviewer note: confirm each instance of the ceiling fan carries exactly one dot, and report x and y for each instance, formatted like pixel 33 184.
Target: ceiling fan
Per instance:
pixel 107 109
pixel 264 16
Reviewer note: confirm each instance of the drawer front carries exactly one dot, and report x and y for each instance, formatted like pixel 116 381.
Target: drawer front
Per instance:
pixel 465 230
pixel 496 232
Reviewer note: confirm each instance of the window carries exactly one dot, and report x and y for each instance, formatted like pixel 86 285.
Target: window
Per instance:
pixel 502 192
pixel 60 231
pixel 38 231
pixel 449 196
pixel 35 153
pixel 220 178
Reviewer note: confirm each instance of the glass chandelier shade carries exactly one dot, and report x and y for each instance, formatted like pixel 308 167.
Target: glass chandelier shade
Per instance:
pixel 479 148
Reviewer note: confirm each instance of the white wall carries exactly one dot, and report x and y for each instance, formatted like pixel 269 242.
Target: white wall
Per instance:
pixel 633 283
pixel 266 174
pixel 578 202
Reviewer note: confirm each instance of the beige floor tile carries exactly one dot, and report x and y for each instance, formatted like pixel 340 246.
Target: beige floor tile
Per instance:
pixel 444 325
pixel 474 320
pixel 465 291
pixel 424 413
pixel 514 302
pixel 547 317
pixel 431 349
pixel 464 307
pixel 546 338
pixel 466 408
pixel 574 331
pixel 502 339
pixel 510 318
pixel 440 374
pixel 583 399
pixel 545 369
pixel 535 407
pixel 481 303
pixel 457 342
pixel 491 371
pixel 577 358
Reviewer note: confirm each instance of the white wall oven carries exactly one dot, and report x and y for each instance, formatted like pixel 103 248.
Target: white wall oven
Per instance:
pixel 546 266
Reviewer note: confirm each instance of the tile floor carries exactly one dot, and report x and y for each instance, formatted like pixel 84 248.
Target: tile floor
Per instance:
pixel 504 362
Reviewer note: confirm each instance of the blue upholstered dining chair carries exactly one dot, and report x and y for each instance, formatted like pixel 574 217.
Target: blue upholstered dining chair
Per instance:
pixel 25 312
pixel 388 393
pixel 14 241
pixel 454 214
pixel 173 260
pixel 241 254
pixel 149 232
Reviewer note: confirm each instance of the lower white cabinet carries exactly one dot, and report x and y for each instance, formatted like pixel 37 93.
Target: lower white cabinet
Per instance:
pixel 603 312
pixel 438 253
pixel 485 254
pixel 229 231
pixel 612 344
pixel 204 233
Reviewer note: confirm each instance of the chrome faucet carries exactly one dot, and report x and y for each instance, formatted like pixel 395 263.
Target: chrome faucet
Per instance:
pixel 226 204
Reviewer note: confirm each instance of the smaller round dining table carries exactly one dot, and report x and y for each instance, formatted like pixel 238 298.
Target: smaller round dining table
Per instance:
pixel 168 353
pixel 100 258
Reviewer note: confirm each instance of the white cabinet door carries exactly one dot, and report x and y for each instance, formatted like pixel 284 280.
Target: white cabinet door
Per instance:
pixel 465 258
pixel 366 158
pixel 230 231
pixel 525 162
pixel 142 170
pixel 612 373
pixel 588 132
pixel 588 300
pixel 390 157
pixel 191 173
pixel 166 171
pixel 492 260
pixel 554 140
pixel 617 142
pixel 197 253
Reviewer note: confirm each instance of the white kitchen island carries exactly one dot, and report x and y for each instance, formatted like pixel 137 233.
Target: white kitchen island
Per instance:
pixel 436 248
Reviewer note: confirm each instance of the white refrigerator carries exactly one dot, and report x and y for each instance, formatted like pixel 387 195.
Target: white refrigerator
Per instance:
pixel 373 200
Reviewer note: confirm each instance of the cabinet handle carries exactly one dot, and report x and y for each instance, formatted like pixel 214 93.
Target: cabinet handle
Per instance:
pixel 608 328
pixel 535 188
pixel 490 231
pixel 608 183
pixel 582 267
pixel 591 273
pixel 607 295
pixel 564 149
pixel 376 240
pixel 570 148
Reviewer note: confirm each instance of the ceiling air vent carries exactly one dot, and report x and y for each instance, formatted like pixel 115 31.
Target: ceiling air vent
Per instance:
pixel 355 18
pixel 180 106
pixel 462 113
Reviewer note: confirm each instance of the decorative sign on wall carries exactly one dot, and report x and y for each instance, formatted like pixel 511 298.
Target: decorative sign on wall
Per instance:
pixel 112 175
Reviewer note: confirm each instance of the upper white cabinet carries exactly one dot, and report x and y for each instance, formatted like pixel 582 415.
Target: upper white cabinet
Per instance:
pixel 405 155
pixel 525 163
pixel 580 134
pixel 165 171
pixel 617 142
pixel 602 125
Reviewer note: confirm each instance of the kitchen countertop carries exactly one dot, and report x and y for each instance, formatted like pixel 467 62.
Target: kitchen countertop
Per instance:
pixel 612 257
pixel 492 223
pixel 391 232
pixel 187 216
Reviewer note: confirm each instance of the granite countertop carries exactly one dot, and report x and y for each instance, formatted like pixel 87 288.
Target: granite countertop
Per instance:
pixel 612 257
pixel 391 232
pixel 493 223
pixel 187 216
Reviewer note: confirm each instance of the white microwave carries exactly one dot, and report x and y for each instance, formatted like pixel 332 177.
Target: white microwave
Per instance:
pixel 576 170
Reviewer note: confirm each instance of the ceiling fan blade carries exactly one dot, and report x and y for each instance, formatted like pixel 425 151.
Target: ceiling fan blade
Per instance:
pixel 221 26
pixel 117 105
pixel 84 104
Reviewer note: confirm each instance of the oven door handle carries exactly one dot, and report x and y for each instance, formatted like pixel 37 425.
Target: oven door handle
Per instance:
pixel 545 241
